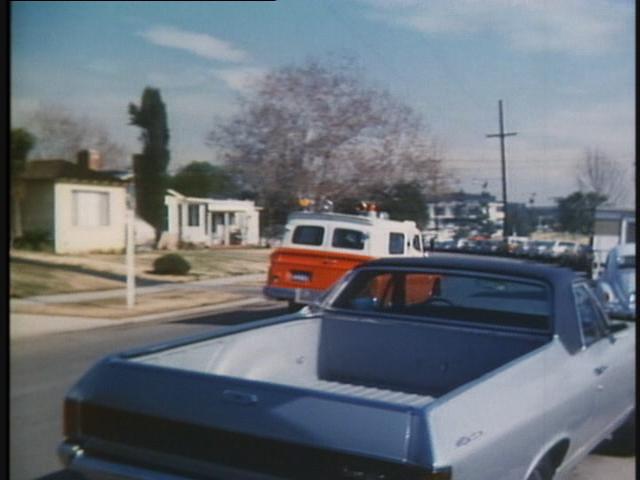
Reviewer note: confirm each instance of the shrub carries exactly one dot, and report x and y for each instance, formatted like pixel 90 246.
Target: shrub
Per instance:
pixel 171 264
pixel 34 240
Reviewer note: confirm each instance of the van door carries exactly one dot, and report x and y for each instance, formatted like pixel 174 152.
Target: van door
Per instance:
pixel 348 248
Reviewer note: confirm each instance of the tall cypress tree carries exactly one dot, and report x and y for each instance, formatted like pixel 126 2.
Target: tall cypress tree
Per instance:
pixel 150 167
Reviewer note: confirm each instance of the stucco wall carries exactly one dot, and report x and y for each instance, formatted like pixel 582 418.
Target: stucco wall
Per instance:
pixel 70 238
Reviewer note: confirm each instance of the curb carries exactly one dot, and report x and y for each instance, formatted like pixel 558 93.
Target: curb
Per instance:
pixel 23 326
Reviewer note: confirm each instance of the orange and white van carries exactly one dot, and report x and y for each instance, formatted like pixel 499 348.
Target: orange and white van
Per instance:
pixel 319 247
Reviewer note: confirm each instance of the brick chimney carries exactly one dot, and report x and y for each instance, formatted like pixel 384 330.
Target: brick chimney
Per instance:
pixel 89 160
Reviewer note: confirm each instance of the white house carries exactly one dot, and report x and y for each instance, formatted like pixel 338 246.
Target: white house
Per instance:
pixel 81 208
pixel 209 222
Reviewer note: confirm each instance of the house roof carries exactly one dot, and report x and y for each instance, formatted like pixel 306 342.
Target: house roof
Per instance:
pixel 222 203
pixel 58 169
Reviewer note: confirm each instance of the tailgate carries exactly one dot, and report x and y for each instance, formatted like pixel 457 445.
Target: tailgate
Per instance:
pixel 315 269
pixel 171 410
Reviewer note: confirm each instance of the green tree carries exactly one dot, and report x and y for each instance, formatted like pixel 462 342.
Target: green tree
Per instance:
pixel 202 179
pixel 402 201
pixel 520 220
pixel 150 167
pixel 22 142
pixel 576 211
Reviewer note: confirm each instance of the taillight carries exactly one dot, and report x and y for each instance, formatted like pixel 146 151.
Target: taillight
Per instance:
pixel 71 418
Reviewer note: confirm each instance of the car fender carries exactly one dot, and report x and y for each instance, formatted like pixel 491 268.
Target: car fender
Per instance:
pixel 547 448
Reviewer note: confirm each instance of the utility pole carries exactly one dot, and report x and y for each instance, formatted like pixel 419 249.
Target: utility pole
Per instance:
pixel 501 135
pixel 131 246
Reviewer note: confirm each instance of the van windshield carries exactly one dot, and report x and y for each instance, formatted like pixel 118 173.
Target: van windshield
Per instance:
pixel 465 297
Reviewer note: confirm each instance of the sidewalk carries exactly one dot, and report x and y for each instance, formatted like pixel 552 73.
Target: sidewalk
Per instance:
pixel 24 325
pixel 121 292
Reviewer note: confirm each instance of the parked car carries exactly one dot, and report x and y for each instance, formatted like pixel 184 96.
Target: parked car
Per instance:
pixel 565 248
pixel 448 367
pixel 445 245
pixel 616 284
pixel 542 248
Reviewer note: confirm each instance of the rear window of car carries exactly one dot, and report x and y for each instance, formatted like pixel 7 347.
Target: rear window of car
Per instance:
pixel 308 235
pixel 443 295
pixel 346 238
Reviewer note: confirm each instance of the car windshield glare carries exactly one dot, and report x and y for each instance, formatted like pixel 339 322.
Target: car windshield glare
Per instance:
pixel 471 297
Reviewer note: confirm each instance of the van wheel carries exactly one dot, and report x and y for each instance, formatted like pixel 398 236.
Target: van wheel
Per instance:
pixel 543 471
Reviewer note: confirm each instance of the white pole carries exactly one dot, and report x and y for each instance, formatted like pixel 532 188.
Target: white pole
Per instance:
pixel 130 256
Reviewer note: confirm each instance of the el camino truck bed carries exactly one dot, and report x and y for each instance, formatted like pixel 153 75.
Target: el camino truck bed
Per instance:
pixel 442 368
pixel 407 363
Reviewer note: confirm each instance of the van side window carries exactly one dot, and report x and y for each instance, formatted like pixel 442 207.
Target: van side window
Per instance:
pixel 345 238
pixel 592 322
pixel 308 235
pixel 417 245
pixel 396 243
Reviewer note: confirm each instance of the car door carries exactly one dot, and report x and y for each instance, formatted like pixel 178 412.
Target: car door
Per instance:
pixel 618 369
pixel 601 356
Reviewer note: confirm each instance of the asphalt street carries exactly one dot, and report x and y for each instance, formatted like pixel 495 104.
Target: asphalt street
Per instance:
pixel 43 368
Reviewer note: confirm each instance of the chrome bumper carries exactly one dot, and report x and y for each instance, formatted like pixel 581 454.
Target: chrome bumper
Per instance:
pixel 297 295
pixel 74 458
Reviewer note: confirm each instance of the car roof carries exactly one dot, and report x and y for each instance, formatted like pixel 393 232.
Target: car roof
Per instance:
pixel 480 263
pixel 625 249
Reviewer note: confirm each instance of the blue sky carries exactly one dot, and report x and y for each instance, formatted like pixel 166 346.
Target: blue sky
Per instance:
pixel 565 70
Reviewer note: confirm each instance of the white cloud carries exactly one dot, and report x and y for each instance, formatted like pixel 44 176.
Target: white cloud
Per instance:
pixel 545 155
pixel 199 44
pixel 574 26
pixel 242 79
pixel 609 126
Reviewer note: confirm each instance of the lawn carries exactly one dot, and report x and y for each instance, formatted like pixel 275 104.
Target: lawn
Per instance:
pixel 29 280
pixel 40 273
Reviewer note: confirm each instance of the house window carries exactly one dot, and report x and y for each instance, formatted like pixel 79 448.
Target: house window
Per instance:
pixel 194 215
pixel 90 209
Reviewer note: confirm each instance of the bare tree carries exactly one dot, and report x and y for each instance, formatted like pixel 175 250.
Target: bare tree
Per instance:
pixel 602 175
pixel 61 134
pixel 317 130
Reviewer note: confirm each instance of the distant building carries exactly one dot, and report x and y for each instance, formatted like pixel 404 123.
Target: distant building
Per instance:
pixel 80 208
pixel 209 222
pixel 451 212
pixel 612 226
